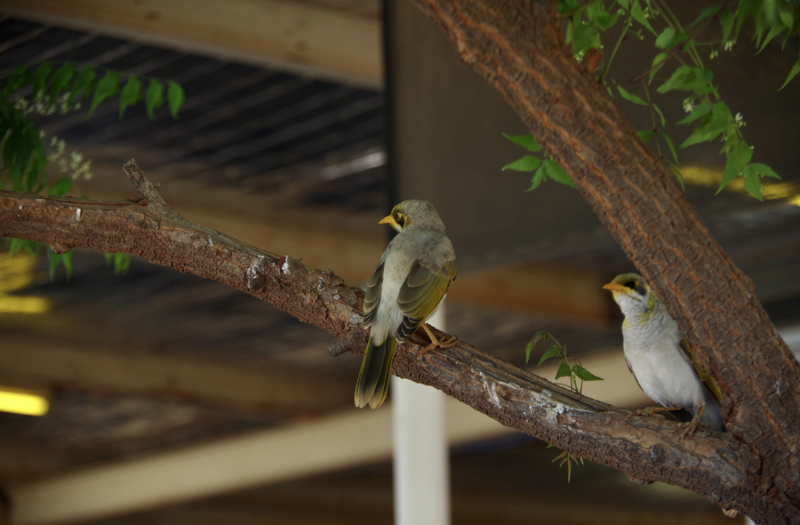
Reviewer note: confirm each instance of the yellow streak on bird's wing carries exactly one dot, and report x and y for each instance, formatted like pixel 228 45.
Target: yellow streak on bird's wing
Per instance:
pixel 425 286
pixel 372 296
pixel 701 371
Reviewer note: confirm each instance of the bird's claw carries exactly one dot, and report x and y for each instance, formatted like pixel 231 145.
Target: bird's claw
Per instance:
pixel 687 429
pixel 691 427
pixel 436 342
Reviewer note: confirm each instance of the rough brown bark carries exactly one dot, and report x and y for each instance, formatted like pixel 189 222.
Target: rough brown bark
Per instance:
pixel 516 46
pixel 646 449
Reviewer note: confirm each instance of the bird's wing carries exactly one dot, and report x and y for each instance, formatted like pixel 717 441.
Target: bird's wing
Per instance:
pixel 704 376
pixel 373 294
pixel 426 285
pixel 633 373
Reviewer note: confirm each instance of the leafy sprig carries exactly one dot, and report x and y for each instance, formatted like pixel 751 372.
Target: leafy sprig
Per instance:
pixel 709 115
pixel 568 367
pixel 59 88
pixel 542 169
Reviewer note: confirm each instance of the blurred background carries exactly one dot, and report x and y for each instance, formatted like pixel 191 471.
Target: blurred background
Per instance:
pixel 177 400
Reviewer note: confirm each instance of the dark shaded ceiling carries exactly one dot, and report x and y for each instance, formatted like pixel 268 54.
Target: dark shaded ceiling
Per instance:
pixel 241 126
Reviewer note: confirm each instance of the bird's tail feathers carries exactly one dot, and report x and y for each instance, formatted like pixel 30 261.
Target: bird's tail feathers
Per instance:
pixel 372 386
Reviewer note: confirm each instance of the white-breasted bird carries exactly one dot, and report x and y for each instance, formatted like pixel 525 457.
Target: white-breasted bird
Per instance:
pixel 412 278
pixel 661 360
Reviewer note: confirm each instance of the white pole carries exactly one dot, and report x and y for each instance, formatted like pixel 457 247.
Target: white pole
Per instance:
pixel 421 461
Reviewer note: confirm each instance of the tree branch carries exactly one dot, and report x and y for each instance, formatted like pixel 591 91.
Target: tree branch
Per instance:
pixel 516 46
pixel 644 448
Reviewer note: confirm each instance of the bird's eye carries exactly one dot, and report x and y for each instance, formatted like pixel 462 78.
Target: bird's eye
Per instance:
pixel 397 217
pixel 631 284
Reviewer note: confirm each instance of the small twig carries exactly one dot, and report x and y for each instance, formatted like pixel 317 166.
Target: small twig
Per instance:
pixel 146 189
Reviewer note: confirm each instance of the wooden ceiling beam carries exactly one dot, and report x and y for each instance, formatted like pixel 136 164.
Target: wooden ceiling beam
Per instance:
pixel 34 361
pixel 298 37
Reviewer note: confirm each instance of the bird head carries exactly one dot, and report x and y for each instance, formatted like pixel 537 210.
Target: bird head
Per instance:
pixel 414 214
pixel 631 292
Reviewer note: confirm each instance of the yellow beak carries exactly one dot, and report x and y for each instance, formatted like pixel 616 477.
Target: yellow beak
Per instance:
pixel 616 288
pixel 390 220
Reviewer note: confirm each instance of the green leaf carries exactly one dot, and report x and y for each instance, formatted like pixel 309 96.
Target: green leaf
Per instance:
pixel 773 32
pixel 83 81
pixel 764 170
pixel 670 145
pixel 706 13
pixel 661 115
pixel 537 179
pixel 553 351
pixel 526 141
pixel 557 173
pixel 687 78
pixel 793 73
pixel 107 87
pixel 19 78
pixel 638 15
pixel 645 134
pixel 61 187
pixel 584 374
pixel 599 16
pixel 712 125
pixel 154 98
pixel 630 97
pixel 130 94
pixel 17 245
pixel 658 63
pixel 66 260
pixel 738 157
pixel 667 39
pixel 63 258
pixel 746 7
pixel 752 183
pixel 41 77
pixel 681 78
pixel 786 16
pixel 726 22
pixel 563 371
pixel 526 163
pixel 60 80
pixel 701 110
pixel 540 336
pixel 565 6
pixel 175 98
pixel 586 37
pixel 122 262
pixel 14 246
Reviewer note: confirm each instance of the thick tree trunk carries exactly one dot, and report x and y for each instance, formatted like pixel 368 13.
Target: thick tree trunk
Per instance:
pixel 717 465
pixel 516 46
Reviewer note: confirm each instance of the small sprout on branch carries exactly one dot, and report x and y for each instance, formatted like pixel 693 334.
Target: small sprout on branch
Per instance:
pixel 568 365
pixel 567 458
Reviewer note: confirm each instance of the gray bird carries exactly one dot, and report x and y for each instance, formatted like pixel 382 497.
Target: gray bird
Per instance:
pixel 411 279
pixel 661 360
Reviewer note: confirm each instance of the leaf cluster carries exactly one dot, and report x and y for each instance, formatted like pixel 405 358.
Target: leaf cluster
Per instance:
pixel 677 42
pixel 542 169
pixel 22 151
